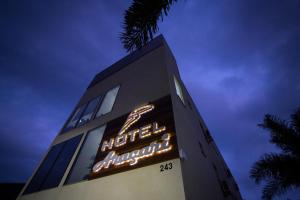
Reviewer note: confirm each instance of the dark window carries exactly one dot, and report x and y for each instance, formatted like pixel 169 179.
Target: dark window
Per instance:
pixel 223 184
pixel 61 164
pixel 108 101
pixel 53 167
pixel 208 136
pixel 190 105
pixel 215 168
pixel 89 111
pixel 201 126
pixel 225 189
pixel 228 172
pixel 178 90
pixel 202 150
pixel 215 148
pixel 236 187
pixel 85 159
pixel 76 116
pixel 44 169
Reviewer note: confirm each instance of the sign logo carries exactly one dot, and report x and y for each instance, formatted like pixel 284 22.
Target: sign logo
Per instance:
pixel 124 137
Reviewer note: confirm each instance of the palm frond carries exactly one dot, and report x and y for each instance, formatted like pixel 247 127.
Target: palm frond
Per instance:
pixel 281 171
pixel 296 121
pixel 140 21
pixel 282 134
pixel 272 188
pixel 276 166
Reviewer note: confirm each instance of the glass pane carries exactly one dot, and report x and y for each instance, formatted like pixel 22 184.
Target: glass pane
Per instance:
pixel 108 101
pixel 82 166
pixel 44 169
pixel 178 89
pixel 75 118
pixel 89 111
pixel 54 177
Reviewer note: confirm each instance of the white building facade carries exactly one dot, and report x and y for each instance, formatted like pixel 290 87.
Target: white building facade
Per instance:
pixel 134 134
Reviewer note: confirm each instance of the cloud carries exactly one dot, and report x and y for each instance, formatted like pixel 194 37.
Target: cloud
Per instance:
pixel 239 60
pixel 49 52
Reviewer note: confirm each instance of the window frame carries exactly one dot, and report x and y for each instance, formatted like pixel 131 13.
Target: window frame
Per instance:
pixel 65 127
pixel 179 90
pixel 101 97
pixel 202 149
pixel 41 186
pixel 80 146
pixel 113 105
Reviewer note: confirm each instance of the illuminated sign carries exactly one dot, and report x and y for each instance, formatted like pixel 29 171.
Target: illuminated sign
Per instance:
pixel 147 136
pixel 123 137
pixel 132 157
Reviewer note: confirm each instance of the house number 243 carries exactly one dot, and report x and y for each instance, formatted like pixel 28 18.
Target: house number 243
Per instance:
pixel 167 166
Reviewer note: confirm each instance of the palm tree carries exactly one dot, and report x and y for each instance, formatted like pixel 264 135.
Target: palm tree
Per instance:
pixel 281 171
pixel 140 21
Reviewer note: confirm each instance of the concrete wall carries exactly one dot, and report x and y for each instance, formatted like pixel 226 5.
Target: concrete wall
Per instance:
pixel 146 183
pixel 140 82
pixel 193 178
pixel 200 178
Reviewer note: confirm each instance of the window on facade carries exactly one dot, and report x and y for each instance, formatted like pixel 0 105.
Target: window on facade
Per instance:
pixel 76 116
pixel 236 187
pixel 190 105
pixel 39 177
pixel 54 165
pixel 225 189
pixel 202 128
pixel 108 101
pixel 208 137
pixel 89 111
pixel 223 184
pixel 178 89
pixel 228 172
pixel 83 164
pixel 202 150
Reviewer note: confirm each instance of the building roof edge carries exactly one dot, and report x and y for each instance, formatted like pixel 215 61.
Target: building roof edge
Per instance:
pixel 130 58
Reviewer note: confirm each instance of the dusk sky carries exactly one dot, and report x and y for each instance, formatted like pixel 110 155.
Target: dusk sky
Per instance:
pixel 238 59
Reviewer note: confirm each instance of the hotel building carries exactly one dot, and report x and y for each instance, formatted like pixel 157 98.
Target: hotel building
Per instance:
pixel 135 134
